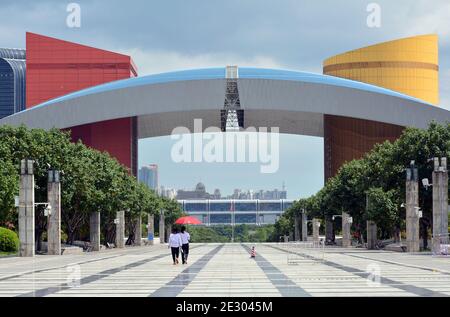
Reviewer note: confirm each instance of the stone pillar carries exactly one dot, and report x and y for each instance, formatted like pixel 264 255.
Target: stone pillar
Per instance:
pixel 316 228
pixel 151 229
pixel 346 226
pixel 120 229
pixel 304 227
pixel 161 227
pixel 371 235
pixel 329 230
pixel 440 203
pixel 168 232
pixel 297 227
pixel 54 219
pixel 94 230
pixel 412 206
pixel 138 231
pixel 26 209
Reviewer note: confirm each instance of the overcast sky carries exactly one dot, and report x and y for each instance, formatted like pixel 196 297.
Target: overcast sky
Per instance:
pixel 180 34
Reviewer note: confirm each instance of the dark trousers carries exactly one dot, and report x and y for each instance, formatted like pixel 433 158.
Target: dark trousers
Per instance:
pixel 175 253
pixel 185 252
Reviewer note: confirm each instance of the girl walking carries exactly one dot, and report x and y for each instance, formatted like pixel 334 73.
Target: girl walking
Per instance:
pixel 175 244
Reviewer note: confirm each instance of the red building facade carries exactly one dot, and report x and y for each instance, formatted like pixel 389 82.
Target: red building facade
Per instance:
pixel 56 68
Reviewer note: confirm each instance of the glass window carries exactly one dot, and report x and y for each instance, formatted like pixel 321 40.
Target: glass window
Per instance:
pixel 268 219
pixel 220 218
pixel 245 218
pixel 245 206
pixel 220 206
pixel 272 206
pixel 196 207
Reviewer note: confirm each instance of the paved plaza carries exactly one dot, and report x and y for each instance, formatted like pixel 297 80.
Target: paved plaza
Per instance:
pixel 226 270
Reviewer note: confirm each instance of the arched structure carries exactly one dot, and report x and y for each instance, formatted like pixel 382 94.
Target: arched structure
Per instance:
pixel 296 102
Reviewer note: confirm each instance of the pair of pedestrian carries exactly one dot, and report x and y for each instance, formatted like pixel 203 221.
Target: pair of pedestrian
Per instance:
pixel 179 240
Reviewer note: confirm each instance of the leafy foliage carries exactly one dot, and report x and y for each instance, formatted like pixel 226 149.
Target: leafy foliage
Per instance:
pixel 9 241
pixel 373 187
pixel 91 181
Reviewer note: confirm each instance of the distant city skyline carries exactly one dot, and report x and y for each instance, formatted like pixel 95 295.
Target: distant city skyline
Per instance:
pixel 301 168
pixel 200 192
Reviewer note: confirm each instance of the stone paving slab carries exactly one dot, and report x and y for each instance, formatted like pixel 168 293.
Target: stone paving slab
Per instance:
pixel 226 270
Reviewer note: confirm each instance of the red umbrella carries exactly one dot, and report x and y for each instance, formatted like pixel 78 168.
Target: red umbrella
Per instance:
pixel 188 220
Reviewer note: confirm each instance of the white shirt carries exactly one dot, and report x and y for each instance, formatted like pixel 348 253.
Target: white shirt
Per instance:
pixel 185 237
pixel 175 240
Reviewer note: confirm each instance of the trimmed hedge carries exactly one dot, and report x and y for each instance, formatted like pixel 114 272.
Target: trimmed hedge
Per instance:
pixel 9 241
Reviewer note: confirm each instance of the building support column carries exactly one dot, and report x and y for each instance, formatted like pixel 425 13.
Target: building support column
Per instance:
pixel 26 209
pixel 161 227
pixel 138 231
pixel 94 231
pixel 297 227
pixel 346 226
pixel 371 235
pixel 440 203
pixel 412 208
pixel 316 228
pixel 151 229
pixel 120 229
pixel 304 227
pixel 54 219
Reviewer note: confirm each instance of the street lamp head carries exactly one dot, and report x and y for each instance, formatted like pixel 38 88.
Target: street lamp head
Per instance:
pixel 426 183
pixel 48 210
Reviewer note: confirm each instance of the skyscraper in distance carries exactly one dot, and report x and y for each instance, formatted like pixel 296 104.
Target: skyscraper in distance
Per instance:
pixel 12 81
pixel 149 175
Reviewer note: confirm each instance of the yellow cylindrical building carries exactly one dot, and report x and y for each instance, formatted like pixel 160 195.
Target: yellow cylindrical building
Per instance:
pixel 409 66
